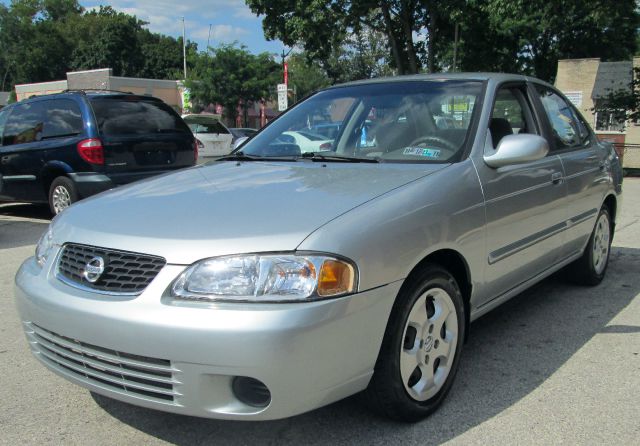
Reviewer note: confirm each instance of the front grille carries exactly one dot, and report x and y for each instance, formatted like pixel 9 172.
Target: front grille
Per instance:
pixel 133 375
pixel 124 272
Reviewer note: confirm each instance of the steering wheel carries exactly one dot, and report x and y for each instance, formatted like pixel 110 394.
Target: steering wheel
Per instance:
pixel 436 140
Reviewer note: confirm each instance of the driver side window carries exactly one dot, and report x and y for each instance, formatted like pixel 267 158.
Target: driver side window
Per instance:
pixel 511 115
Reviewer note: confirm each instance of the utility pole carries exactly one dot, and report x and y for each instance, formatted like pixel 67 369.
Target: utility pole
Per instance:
pixel 284 55
pixel 208 38
pixel 184 49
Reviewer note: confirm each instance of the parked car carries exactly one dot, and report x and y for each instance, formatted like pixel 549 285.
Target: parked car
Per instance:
pixel 242 132
pixel 215 138
pixel 306 141
pixel 63 147
pixel 273 282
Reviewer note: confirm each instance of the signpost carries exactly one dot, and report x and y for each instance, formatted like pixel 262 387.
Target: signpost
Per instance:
pixel 283 102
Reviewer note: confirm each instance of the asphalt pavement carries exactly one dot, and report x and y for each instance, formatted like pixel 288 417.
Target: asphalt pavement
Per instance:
pixel 557 364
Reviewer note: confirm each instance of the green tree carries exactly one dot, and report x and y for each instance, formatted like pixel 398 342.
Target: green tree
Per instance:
pixel 321 27
pixel 530 36
pixel 108 38
pixel 305 75
pixel 232 76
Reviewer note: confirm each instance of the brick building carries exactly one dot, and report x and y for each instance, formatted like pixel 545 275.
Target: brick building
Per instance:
pixel 587 83
pixel 169 91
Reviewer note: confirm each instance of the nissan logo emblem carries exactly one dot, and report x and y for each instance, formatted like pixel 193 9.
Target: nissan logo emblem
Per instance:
pixel 93 269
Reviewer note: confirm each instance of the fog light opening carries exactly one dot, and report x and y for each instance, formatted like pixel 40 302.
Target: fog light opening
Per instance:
pixel 250 391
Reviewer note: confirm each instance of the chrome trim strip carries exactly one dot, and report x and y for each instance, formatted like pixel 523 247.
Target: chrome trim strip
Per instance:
pixel 582 217
pixel 581 173
pixel 515 247
pixel 19 177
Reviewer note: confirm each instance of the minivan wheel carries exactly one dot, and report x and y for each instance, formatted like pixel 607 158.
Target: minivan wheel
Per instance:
pixel 592 266
pixel 421 348
pixel 62 194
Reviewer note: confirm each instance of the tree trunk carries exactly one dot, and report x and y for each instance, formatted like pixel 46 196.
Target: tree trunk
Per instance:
pixel 395 51
pixel 431 62
pixel 407 28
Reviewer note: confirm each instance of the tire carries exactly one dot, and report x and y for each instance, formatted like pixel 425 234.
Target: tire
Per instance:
pixel 591 268
pixel 425 334
pixel 62 194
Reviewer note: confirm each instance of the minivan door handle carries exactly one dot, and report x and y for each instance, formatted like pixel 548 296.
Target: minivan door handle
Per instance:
pixel 556 178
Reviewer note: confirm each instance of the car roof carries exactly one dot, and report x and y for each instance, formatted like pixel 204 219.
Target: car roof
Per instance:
pixel 112 94
pixel 482 76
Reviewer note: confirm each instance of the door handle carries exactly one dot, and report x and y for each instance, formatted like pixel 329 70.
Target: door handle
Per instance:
pixel 556 178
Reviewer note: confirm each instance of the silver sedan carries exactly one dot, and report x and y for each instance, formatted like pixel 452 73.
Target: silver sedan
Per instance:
pixel 274 281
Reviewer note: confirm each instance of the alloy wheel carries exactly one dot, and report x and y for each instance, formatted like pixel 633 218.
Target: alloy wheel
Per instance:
pixel 61 199
pixel 601 243
pixel 429 344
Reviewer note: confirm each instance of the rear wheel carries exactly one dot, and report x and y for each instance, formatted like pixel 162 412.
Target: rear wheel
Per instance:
pixel 62 194
pixel 592 266
pixel 421 348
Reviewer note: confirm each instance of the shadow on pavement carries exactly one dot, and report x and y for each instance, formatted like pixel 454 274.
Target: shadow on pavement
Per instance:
pixel 511 351
pixel 27 222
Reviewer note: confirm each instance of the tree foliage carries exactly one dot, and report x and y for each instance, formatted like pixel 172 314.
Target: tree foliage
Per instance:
pixel 42 40
pixel 521 36
pixel 232 76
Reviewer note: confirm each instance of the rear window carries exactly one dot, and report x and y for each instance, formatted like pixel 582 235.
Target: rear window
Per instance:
pixel 209 127
pixel 126 117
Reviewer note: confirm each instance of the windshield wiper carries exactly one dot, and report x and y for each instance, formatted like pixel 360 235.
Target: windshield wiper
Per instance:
pixel 314 156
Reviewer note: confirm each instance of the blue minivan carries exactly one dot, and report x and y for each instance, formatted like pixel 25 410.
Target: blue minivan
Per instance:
pixel 63 147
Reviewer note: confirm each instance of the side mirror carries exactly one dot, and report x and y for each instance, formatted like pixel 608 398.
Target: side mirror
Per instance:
pixel 518 149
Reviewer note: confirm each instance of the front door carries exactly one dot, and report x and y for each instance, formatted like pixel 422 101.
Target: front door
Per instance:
pixel 525 203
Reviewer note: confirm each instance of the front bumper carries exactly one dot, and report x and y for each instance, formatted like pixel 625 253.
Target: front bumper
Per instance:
pixel 308 355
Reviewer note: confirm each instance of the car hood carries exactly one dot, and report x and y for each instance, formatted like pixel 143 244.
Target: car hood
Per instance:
pixel 229 207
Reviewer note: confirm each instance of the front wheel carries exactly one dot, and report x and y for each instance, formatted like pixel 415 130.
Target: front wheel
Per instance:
pixel 421 348
pixel 592 266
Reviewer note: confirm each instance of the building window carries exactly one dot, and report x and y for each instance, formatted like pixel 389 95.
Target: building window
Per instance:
pixel 610 120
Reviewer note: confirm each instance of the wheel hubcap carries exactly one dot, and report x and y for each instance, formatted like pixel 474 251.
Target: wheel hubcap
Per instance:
pixel 429 344
pixel 61 199
pixel 601 239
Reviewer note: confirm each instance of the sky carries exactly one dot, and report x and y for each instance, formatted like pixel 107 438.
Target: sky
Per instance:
pixel 230 20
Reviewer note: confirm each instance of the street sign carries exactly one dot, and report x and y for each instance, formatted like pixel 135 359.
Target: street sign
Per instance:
pixel 283 103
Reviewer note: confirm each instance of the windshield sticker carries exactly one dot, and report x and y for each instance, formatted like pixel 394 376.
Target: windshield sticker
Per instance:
pixel 421 151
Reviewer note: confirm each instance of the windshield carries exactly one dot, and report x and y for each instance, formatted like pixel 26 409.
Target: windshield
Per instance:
pixel 413 121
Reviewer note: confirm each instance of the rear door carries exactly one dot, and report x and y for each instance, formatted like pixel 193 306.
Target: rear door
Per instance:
pixel 141 134
pixel 584 165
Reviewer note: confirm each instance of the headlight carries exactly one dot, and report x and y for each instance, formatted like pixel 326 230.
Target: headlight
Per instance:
pixel 44 246
pixel 266 278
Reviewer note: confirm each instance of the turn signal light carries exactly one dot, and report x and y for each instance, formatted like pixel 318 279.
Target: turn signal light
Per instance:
pixel 336 277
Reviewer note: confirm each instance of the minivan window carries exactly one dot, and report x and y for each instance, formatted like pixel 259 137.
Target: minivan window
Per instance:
pixel 24 124
pixel 3 120
pixel 128 117
pixel 62 118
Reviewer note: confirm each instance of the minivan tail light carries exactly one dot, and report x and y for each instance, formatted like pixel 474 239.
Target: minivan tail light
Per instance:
pixel 91 150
